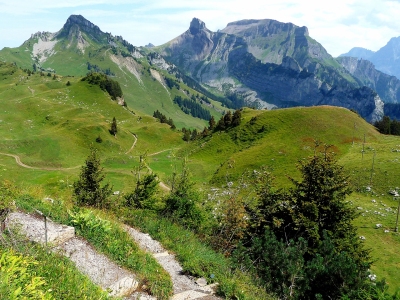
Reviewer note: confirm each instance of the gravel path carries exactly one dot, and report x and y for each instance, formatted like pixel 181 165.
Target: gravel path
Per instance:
pixel 184 287
pixel 20 163
pixel 60 238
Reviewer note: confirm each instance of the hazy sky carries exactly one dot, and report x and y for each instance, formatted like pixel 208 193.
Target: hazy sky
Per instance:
pixel 338 25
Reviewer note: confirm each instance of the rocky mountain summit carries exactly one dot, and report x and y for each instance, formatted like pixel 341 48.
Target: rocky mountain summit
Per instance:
pixel 386 59
pixel 271 64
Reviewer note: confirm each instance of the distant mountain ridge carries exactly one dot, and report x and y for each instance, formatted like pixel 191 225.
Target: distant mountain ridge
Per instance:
pixel 270 63
pixel 265 63
pixel 386 59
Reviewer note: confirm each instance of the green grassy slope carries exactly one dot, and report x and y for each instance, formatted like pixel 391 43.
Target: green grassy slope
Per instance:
pixel 277 139
pixel 51 125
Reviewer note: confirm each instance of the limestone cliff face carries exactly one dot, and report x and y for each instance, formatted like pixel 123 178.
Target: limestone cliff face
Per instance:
pixel 387 87
pixel 272 63
pixel 271 41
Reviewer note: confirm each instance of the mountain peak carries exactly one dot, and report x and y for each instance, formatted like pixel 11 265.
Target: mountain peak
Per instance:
pixel 82 24
pixel 196 26
pixel 81 21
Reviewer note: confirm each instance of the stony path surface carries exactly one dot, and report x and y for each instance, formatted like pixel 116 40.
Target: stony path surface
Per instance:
pixel 101 270
pixel 185 288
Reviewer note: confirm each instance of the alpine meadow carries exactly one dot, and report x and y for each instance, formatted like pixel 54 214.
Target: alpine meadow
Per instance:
pixel 246 163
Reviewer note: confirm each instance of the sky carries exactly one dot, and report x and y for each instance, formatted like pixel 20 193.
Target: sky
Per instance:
pixel 338 25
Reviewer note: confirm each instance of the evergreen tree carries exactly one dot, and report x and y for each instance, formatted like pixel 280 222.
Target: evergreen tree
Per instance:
pixel 236 118
pixel 194 135
pixel 146 187
pixel 113 130
pixel 186 134
pixel 228 119
pixel 314 211
pixel 211 123
pixel 221 124
pixel 87 189
pixel 182 204
pixel 205 132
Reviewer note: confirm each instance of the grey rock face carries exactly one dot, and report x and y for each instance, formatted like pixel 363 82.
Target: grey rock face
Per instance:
pixel 387 87
pixel 277 63
pixel 386 59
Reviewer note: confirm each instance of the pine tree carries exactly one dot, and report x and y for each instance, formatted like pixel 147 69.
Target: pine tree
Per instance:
pixel 315 210
pixel 228 119
pixel 87 189
pixel 236 118
pixel 114 128
pixel 211 123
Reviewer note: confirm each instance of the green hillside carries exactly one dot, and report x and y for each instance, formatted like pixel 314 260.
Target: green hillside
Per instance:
pixel 50 125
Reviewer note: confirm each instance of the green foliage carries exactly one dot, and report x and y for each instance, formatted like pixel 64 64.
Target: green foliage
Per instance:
pixel 109 238
pixel 87 189
pixel 197 257
pixel 311 228
pixel 183 203
pixel 228 120
pixel 7 195
pixel 62 279
pixel 171 83
pixel 211 123
pixel 113 130
pixel 85 220
pixel 388 126
pixel 105 83
pixel 144 194
pixel 192 107
pixel 163 119
pixel 18 278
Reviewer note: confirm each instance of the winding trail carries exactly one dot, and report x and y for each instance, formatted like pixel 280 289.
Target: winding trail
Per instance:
pixel 134 143
pixel 20 163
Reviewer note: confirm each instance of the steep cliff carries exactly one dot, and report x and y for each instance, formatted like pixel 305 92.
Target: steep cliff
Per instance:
pixel 275 64
pixel 387 87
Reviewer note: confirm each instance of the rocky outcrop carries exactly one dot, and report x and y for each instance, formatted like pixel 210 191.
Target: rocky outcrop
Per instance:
pixel 271 41
pixel 278 64
pixel 78 23
pixel 387 87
